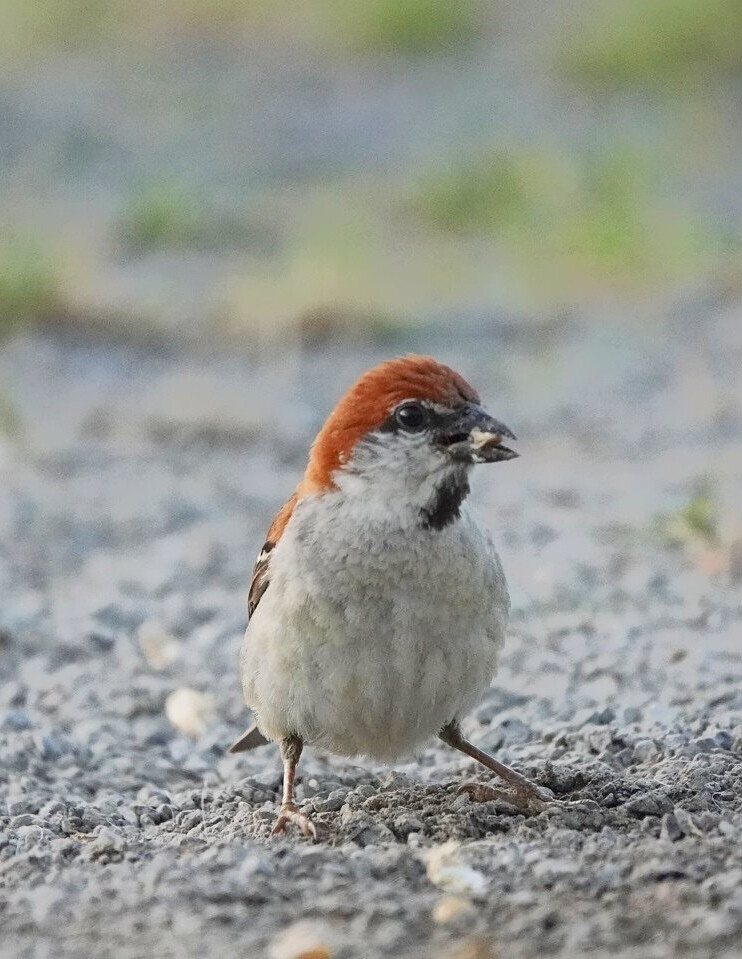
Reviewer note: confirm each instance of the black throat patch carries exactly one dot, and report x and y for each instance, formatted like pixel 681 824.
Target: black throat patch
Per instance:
pixel 445 506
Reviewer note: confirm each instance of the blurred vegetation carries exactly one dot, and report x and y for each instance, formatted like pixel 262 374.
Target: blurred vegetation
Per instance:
pixel 411 26
pixel 656 43
pixel 10 422
pixel 162 215
pixel 601 214
pixel 30 283
pixel 374 26
pixel 535 228
pixel 167 214
pixel 696 521
pixel 365 245
pixel 333 273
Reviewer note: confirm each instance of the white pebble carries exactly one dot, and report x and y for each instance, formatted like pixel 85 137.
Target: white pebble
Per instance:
pixel 447 870
pixel 189 711
pixel 302 940
pixel 450 908
pixel 160 648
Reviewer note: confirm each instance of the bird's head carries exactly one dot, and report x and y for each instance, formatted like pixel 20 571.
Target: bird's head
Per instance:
pixel 408 429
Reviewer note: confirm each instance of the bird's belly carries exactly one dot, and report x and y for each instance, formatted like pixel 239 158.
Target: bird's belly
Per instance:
pixel 371 678
pixel 388 693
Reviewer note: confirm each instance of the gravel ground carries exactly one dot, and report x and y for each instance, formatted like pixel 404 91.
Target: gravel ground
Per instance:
pixel 135 495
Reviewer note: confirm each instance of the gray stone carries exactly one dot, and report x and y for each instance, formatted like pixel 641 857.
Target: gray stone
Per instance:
pixel 515 731
pixel 703 744
pixel 655 803
pixel 670 828
pixel 17 720
pixel 106 843
pixel 25 819
pixel 603 717
pixel 335 801
pixel 645 750
pixel 21 804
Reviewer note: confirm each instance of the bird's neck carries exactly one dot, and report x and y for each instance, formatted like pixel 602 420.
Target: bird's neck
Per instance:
pixel 406 499
pixel 444 506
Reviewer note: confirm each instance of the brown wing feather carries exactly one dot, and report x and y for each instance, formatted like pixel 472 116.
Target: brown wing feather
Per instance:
pixel 260 578
pixel 261 570
pixel 252 737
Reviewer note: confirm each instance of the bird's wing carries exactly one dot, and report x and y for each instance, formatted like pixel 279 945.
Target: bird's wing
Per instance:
pixel 261 570
pixel 252 737
pixel 260 577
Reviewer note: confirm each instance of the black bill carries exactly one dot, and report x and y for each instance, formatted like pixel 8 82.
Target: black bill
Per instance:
pixel 471 435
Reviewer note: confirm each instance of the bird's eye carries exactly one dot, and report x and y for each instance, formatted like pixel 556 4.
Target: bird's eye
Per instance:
pixel 411 417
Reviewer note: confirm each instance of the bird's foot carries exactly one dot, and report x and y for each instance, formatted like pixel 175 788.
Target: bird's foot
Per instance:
pixel 289 813
pixel 529 800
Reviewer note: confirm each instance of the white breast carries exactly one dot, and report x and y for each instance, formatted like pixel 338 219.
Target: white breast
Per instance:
pixel 370 638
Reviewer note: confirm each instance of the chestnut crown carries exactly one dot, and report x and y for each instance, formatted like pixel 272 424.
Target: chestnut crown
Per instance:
pixel 368 404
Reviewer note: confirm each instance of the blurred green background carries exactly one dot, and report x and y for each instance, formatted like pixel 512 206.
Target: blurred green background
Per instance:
pixel 199 170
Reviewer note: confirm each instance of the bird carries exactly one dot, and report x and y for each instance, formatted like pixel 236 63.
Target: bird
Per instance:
pixel 378 604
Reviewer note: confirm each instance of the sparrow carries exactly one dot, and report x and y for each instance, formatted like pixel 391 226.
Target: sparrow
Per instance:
pixel 378 605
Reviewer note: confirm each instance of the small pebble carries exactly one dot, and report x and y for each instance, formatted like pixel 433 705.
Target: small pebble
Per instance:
pixel 17 720
pixel 306 939
pixel 190 711
pixel 670 828
pixel 448 870
pixel 450 908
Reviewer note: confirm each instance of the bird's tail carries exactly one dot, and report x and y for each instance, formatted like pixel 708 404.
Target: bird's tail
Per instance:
pixel 250 739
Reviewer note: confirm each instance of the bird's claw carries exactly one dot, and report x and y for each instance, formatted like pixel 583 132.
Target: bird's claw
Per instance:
pixel 481 792
pixel 289 813
pixel 530 802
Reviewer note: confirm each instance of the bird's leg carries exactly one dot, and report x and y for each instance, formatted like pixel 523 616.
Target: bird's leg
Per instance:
pixel 525 794
pixel 291 748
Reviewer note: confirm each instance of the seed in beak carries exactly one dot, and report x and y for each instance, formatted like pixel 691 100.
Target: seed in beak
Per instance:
pixel 487 447
pixel 480 439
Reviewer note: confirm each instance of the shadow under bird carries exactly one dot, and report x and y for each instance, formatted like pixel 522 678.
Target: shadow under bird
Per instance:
pixel 378 604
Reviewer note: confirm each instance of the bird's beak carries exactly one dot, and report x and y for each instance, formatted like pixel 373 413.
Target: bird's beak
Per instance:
pixel 473 436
